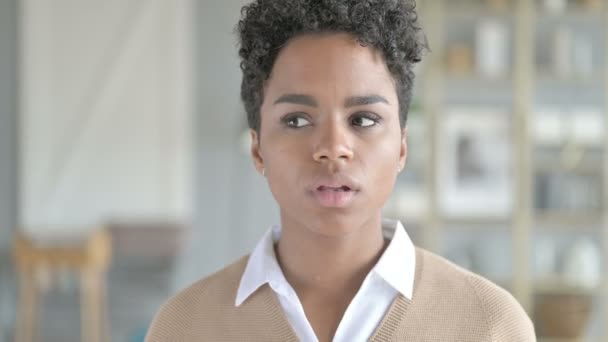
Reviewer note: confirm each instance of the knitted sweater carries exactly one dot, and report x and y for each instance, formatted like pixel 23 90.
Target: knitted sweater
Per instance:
pixel 448 304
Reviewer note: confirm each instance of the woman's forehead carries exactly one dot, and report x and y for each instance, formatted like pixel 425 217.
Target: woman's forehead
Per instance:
pixel 329 64
pixel 325 52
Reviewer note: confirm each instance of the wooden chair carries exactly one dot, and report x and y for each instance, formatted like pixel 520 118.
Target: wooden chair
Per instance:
pixel 89 256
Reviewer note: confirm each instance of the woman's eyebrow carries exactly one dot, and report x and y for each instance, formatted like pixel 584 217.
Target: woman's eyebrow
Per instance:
pixel 364 100
pixel 300 99
pixel 352 101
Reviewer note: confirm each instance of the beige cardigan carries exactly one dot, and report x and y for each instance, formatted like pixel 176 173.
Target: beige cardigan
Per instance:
pixel 448 304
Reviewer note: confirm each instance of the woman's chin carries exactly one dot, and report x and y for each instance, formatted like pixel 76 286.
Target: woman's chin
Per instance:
pixel 336 225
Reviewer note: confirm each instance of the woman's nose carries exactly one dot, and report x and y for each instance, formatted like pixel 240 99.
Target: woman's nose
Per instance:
pixel 334 143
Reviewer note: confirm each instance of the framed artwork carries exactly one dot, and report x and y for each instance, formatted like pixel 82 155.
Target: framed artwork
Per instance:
pixel 475 163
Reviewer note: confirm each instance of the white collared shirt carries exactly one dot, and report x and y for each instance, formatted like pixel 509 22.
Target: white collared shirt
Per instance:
pixel 393 274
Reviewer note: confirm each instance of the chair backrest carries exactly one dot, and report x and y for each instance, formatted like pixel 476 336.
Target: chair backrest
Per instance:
pixel 88 252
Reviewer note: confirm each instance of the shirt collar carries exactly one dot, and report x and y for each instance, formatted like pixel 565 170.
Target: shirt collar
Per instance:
pixel 262 268
pixel 396 265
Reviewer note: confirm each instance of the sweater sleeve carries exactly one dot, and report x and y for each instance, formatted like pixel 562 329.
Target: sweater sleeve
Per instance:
pixel 506 319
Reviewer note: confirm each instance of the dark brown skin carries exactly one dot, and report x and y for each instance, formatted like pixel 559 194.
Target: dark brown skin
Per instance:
pixel 325 251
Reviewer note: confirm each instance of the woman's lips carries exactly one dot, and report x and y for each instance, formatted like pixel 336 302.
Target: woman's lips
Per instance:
pixel 334 197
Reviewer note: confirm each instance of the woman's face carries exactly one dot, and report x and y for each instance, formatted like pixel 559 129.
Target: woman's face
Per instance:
pixel 330 140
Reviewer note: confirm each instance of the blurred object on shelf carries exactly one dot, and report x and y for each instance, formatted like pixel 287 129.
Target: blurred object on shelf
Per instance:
pixel 582 56
pixel 38 257
pixel 576 133
pixel 591 4
pixel 562 315
pixel 571 192
pixel 587 126
pixel 548 126
pixel 474 163
pixel 498 5
pixel 492 50
pixel 562 52
pixel 568 158
pixel 572 53
pixel 555 6
pixel 582 264
pixel 545 259
pixel 572 155
pixel 460 59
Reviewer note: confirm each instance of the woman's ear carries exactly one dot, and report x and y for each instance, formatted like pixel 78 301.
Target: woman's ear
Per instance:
pixel 403 149
pixel 256 153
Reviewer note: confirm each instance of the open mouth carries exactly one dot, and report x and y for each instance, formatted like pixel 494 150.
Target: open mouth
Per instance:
pixel 337 189
pixel 334 196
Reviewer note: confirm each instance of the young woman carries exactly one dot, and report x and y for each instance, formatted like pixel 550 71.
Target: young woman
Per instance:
pixel 327 86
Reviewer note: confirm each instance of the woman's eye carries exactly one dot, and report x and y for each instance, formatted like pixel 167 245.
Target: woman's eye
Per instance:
pixel 363 121
pixel 296 122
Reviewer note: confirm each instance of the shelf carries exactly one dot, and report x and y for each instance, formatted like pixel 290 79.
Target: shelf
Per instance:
pixel 489 223
pixel 549 170
pixel 475 14
pixel 473 79
pixel 471 89
pixel 579 222
pixel 548 79
pixel 572 14
pixel 585 167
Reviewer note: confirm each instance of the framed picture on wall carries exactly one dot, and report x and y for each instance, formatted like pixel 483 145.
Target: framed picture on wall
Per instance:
pixel 475 163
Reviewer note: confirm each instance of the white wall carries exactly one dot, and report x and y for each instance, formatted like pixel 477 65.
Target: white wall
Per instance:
pixel 105 125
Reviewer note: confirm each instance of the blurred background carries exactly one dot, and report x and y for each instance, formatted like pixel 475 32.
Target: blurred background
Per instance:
pixel 125 173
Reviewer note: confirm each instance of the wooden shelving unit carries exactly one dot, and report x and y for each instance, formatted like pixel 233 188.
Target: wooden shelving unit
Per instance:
pixel 520 90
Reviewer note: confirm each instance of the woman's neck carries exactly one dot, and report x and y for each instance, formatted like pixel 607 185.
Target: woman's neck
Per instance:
pixel 315 263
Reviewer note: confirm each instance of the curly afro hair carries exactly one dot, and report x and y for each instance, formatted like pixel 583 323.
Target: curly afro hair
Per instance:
pixel 391 26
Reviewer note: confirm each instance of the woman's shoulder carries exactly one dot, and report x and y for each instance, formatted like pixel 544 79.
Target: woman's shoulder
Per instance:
pixel 222 281
pixel 502 313
pixel 190 304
